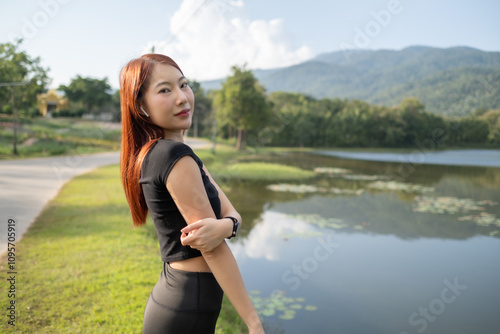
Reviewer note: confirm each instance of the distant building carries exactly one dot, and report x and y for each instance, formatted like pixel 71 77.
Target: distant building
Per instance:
pixel 51 102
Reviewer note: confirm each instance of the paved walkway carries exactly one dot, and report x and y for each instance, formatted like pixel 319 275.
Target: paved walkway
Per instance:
pixel 27 185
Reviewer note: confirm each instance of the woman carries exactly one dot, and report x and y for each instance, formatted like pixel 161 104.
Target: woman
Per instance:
pixel 192 215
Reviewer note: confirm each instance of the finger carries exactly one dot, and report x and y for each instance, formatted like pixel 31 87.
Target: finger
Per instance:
pixel 185 239
pixel 188 238
pixel 191 227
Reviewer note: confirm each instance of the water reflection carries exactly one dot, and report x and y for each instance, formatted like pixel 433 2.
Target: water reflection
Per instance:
pixel 392 244
pixel 434 202
pixel 269 240
pixel 264 241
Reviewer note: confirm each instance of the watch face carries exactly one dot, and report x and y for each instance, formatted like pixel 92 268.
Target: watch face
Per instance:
pixel 236 226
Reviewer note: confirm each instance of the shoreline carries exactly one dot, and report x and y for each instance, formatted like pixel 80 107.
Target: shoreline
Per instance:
pixel 453 157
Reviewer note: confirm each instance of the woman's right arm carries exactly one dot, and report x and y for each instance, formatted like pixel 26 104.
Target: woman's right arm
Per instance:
pixel 185 185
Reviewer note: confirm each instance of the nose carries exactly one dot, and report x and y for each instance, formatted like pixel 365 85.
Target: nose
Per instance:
pixel 181 97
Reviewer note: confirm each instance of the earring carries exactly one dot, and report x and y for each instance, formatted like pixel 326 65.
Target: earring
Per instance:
pixel 144 111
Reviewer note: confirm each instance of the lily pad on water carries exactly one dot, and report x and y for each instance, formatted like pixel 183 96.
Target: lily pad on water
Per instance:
pixel 268 312
pixel 278 304
pixel 451 205
pixel 295 188
pixel 454 205
pixel 363 177
pixel 308 188
pixel 340 191
pixel 483 219
pixel 288 315
pixel 406 187
pixel 332 170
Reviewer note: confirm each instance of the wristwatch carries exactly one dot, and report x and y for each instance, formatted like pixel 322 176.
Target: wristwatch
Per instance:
pixel 236 227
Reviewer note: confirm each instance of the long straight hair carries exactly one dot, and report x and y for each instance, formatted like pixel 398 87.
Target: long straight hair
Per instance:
pixel 139 134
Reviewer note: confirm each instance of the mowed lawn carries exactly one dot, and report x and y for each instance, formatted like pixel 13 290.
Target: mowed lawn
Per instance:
pixel 83 268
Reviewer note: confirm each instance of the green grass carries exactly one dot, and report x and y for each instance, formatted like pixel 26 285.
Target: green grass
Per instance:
pixel 83 268
pixel 57 137
pixel 266 172
pixel 228 163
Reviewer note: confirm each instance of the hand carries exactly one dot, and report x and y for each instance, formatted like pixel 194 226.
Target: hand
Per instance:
pixel 205 234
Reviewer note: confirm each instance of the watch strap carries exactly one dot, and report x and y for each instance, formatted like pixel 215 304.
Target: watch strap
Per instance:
pixel 236 225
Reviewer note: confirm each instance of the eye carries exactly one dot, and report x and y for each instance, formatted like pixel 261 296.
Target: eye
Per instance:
pixel 164 90
pixel 184 85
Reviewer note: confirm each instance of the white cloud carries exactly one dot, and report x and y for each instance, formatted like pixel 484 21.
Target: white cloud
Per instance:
pixel 207 37
pixel 265 240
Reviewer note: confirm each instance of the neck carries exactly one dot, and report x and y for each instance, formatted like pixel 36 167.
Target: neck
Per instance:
pixel 177 136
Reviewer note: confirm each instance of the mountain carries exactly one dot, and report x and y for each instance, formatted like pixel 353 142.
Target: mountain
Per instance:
pixel 451 81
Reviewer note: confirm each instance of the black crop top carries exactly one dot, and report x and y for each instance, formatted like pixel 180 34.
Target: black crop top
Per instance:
pixel 167 218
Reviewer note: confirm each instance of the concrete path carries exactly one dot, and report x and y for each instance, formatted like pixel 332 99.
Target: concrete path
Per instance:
pixel 27 185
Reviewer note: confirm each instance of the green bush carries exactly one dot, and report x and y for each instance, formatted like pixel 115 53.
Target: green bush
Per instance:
pixel 7 109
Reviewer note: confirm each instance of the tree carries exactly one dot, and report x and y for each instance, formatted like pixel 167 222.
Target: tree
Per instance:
pixel 18 66
pixel 242 104
pixel 21 80
pixel 492 117
pixel 474 130
pixel 115 102
pixel 353 122
pixel 297 120
pixel 90 92
pixel 411 109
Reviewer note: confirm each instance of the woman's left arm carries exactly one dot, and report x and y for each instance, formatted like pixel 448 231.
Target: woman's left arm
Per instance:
pixel 227 209
pixel 211 232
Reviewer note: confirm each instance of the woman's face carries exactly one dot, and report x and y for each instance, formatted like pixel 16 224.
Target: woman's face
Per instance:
pixel 169 100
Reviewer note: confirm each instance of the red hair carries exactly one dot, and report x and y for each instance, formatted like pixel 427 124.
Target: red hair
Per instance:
pixel 138 132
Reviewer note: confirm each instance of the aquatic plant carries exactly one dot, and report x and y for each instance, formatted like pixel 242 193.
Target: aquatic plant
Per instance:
pixel 364 177
pixel 483 219
pixel 307 188
pixel 454 205
pixel 348 174
pixel 449 204
pixel 279 304
pixel 340 191
pixel 295 188
pixel 332 170
pixel 394 185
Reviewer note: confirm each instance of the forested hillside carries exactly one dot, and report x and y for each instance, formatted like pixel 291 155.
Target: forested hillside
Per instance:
pixel 453 81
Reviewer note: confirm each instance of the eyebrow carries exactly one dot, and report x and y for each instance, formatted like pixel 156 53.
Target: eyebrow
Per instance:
pixel 168 83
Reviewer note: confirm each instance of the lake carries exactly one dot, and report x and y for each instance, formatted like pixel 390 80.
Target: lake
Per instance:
pixel 372 247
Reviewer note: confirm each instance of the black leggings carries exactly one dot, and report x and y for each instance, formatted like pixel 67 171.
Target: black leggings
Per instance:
pixel 183 302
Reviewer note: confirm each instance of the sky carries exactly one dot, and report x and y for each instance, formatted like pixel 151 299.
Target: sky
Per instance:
pixel 207 37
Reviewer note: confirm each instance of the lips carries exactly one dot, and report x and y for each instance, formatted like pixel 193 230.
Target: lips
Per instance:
pixel 183 113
